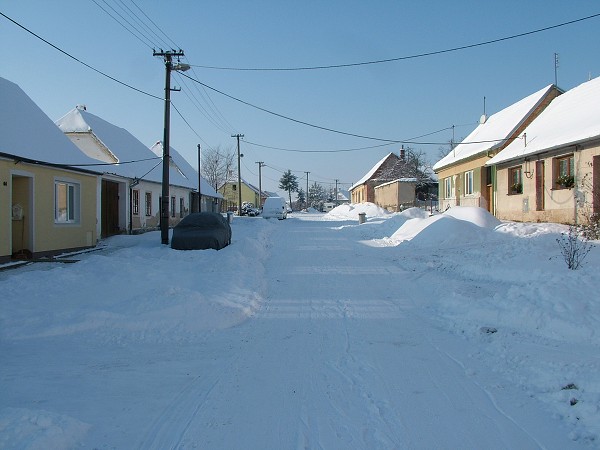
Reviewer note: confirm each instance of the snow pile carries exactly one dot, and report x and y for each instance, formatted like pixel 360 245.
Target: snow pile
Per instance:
pixel 351 211
pixel 181 302
pixel 24 428
pixel 454 227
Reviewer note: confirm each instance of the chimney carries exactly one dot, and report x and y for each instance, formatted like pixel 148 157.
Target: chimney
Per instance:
pixel 402 153
pixel 81 107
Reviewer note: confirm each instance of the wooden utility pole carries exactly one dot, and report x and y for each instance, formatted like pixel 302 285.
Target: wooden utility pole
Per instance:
pixel 238 136
pixel 199 179
pixel 260 165
pixel 164 200
pixel 306 197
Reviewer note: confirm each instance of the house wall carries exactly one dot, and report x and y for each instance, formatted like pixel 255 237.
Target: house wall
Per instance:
pixel 32 186
pixel 395 196
pixel 231 198
pixel 480 196
pixel 560 205
pixel 364 193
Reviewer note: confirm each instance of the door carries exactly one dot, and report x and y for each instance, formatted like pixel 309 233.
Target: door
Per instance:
pixel 539 185
pixel 21 218
pixel 110 208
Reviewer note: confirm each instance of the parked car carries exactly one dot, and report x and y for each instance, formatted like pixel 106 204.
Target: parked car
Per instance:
pixel 248 209
pixel 201 231
pixel 274 207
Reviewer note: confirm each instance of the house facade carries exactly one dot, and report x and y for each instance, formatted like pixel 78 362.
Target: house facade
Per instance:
pixel 552 174
pixel 46 207
pixel 396 195
pixel 230 193
pixel 386 170
pixel 464 177
pixel 131 185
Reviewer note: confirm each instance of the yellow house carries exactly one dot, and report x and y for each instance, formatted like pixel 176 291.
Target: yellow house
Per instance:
pixel 396 195
pixel 464 178
pixel 46 207
pixel 229 190
pixel 387 169
pixel 552 173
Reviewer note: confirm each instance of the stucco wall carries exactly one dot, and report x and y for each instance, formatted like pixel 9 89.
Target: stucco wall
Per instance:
pixel 32 186
pixel 559 204
pixel 395 196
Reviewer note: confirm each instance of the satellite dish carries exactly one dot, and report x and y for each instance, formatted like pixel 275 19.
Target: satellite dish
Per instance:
pixel 482 119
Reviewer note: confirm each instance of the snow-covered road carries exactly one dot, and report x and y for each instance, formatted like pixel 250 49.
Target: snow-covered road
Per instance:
pixel 335 351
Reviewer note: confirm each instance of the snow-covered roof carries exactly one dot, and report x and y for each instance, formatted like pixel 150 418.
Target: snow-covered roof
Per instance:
pixel 492 133
pixel 398 180
pixel 123 145
pixel 371 172
pixel 571 118
pixel 186 169
pixel 29 133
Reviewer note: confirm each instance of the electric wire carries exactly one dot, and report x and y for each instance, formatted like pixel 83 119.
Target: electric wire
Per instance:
pixel 80 61
pixel 137 18
pixel 143 39
pixel 402 58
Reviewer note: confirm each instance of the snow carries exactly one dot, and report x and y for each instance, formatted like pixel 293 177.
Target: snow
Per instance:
pixel 408 331
pixel 497 127
pixel 19 117
pixel 370 173
pixel 570 118
pixel 124 146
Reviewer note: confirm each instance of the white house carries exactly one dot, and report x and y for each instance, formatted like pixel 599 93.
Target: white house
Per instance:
pixel 132 175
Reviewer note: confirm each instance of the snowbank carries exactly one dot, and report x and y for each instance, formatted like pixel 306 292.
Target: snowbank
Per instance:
pixel 351 211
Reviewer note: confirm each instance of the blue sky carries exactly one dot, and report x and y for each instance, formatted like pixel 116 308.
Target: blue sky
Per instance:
pixel 396 101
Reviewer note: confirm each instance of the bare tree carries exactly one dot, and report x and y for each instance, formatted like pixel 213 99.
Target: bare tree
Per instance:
pixel 217 165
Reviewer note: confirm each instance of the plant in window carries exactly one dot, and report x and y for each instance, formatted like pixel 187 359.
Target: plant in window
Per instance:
pixel 516 188
pixel 566 181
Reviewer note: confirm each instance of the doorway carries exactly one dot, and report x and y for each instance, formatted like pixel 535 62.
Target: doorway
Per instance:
pixel 110 209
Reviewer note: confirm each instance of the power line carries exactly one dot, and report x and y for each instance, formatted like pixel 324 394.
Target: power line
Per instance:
pixel 402 58
pixel 137 36
pixel 78 60
pixel 332 130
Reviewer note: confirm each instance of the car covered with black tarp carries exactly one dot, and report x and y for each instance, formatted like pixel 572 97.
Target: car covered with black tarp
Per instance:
pixel 201 231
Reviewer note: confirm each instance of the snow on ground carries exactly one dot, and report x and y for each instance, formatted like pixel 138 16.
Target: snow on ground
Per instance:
pixel 406 331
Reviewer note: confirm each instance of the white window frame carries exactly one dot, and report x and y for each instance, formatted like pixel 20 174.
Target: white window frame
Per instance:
pixel 469 182
pixel 67 202
pixel 449 188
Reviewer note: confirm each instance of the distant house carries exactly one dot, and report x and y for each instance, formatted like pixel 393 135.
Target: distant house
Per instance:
pixel 211 199
pixel 552 172
pixel 389 168
pixel 464 177
pixel 131 187
pixel 396 195
pixel 250 194
pixel 47 191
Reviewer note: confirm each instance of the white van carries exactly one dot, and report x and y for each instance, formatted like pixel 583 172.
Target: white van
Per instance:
pixel 274 207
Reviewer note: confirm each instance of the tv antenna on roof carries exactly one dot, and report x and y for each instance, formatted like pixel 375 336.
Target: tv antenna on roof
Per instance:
pixel 483 117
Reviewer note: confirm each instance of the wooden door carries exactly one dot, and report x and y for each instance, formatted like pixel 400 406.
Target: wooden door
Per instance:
pixel 110 208
pixel 539 185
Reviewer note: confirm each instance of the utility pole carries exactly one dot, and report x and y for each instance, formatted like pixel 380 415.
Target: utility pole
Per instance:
pixel 164 201
pixel 260 165
pixel 306 197
pixel 199 179
pixel 238 136
pixel 336 191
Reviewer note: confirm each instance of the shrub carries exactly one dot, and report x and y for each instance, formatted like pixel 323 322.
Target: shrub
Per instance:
pixel 574 247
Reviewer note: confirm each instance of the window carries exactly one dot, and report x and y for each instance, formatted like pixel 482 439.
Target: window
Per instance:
pixel 565 172
pixel 172 206
pixel 515 181
pixel 181 207
pixel 469 182
pixel 148 203
pixel 66 202
pixel 234 187
pixel 449 189
pixel 135 200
